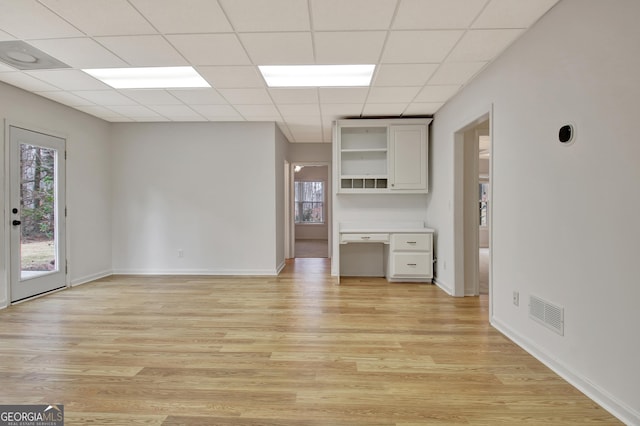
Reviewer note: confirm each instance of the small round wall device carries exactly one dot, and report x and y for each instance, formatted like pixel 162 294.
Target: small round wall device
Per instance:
pixel 565 135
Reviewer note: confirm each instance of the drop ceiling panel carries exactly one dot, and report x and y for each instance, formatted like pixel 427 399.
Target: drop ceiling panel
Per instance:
pixel 332 112
pixel 198 96
pixel 294 95
pixel 296 110
pixel 437 14
pixel 26 82
pixel 143 51
pixel 137 113
pixel 246 96
pixel 381 95
pixel 258 110
pixel 105 97
pixel 512 14
pixel 69 79
pixel 184 16
pixel 79 52
pixel 30 20
pixel 403 74
pixel 433 93
pixel 350 15
pixel 217 112
pixel 482 45
pixel 210 49
pixel 386 110
pixel 279 48
pixel 456 72
pixel 232 77
pixel 351 95
pixel 5 37
pixel 361 47
pixel 66 98
pixel 176 112
pixel 101 17
pixel 271 15
pixel 104 113
pixel 151 97
pixel 419 46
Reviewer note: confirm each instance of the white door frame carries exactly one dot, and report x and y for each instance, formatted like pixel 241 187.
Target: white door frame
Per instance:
pixel 328 204
pixel 62 237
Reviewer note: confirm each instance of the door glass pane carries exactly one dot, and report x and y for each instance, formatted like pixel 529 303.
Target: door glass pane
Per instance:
pixel 37 211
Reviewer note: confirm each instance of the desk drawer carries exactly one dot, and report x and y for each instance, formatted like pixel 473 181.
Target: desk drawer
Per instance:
pixel 411 265
pixel 411 242
pixel 364 238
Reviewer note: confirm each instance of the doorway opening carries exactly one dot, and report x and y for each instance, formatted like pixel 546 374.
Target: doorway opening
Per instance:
pixel 472 213
pixel 310 210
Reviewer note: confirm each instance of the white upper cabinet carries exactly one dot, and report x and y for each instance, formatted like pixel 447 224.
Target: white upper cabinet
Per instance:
pixel 381 156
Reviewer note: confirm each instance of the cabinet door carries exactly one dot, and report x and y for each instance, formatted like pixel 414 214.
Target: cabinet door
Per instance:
pixel 408 157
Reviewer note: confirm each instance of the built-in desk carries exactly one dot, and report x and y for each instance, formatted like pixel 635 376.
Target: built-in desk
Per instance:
pixel 399 252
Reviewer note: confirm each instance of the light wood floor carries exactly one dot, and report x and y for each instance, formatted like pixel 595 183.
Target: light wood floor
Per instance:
pixel 291 350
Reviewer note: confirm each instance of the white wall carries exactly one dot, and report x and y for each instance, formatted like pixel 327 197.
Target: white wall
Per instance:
pixel 88 181
pixel 208 189
pixel 561 231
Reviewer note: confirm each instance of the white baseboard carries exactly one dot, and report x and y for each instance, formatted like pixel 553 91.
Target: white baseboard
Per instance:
pixel 90 278
pixel 443 286
pixel 280 267
pixel 624 413
pixel 219 272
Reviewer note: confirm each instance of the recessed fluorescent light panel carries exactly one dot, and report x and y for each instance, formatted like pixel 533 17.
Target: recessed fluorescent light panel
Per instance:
pixel 317 75
pixel 149 78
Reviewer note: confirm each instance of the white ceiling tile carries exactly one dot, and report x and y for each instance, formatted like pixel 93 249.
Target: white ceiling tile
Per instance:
pixel 246 96
pixel 483 45
pixel 105 97
pixel 151 96
pixel 143 50
pixel 79 52
pixel 373 110
pixel 26 82
pixel 362 47
pixel 102 112
pixel 350 15
pixel 423 108
pixel 437 14
pixel 335 111
pixel 29 20
pixel 184 16
pixel 305 123
pixel 262 117
pixel 295 110
pixel 232 77
pixel 431 94
pixel 419 46
pixel 312 137
pixel 218 112
pixel 258 110
pixel 66 98
pixel 381 95
pixel 343 95
pixel 210 49
pixel 279 48
pixel 198 96
pixel 294 95
pixel 456 72
pixel 403 74
pixel 176 112
pixel 69 79
pixel 101 17
pixel 272 15
pixel 135 112
pixel 512 13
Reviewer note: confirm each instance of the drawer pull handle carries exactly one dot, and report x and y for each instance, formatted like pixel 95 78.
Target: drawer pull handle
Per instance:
pixel 412 242
pixel 411 264
pixel 365 238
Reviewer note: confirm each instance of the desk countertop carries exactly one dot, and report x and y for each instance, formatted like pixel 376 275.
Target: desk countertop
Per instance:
pixel 386 230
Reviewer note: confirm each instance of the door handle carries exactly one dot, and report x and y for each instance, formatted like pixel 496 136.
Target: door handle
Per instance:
pixel 16 223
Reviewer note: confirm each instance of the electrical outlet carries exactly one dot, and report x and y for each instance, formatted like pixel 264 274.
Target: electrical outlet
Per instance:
pixel 180 253
pixel 516 298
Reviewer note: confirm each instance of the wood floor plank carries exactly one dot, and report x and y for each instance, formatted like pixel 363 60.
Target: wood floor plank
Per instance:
pixel 296 349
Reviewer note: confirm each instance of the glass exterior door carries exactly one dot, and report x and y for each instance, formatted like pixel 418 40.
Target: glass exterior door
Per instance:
pixel 37 213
